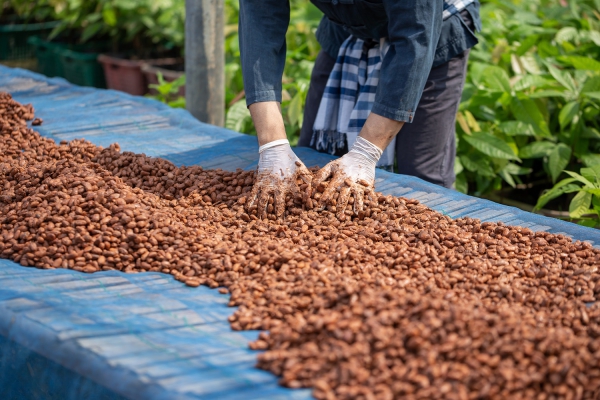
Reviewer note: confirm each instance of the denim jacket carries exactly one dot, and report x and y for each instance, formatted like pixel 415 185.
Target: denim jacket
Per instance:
pixel 420 38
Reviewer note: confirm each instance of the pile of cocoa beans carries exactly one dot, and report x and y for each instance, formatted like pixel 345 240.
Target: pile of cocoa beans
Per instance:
pixel 403 302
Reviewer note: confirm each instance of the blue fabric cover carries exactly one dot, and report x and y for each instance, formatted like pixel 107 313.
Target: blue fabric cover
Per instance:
pixel 70 335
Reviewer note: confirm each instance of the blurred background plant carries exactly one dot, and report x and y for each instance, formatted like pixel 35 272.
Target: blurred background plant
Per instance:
pixel 168 92
pixel 139 26
pixel 532 99
pixel 18 11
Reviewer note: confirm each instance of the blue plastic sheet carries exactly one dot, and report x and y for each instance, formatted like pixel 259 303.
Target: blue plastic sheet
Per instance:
pixel 69 335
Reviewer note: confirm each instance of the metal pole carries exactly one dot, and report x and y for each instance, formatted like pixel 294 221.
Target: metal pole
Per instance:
pixel 205 60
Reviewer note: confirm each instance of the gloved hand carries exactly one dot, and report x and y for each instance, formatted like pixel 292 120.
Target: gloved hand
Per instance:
pixel 353 174
pixel 278 169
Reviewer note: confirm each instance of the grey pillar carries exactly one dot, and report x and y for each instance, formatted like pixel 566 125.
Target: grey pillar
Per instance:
pixel 205 60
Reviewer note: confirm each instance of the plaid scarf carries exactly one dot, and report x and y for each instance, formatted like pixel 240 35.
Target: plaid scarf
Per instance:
pixel 350 93
pixel 348 98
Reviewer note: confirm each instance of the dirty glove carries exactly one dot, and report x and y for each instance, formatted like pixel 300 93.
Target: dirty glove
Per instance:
pixel 278 169
pixel 352 174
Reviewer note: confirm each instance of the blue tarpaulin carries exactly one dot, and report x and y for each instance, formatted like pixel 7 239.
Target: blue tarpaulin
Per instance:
pixel 109 335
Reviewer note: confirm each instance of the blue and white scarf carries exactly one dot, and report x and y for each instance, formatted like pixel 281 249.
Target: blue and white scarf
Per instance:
pixel 350 93
pixel 349 96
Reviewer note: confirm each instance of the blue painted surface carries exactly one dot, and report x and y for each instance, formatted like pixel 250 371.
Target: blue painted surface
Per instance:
pixel 109 334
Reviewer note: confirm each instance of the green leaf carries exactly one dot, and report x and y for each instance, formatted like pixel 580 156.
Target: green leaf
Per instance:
pixel 526 110
pixel 177 103
pixel 567 34
pixel 530 63
pixel 477 164
pixel 590 159
pixel 507 177
pixel 590 133
pixel 580 204
pixel 458 167
pixel 90 31
pixel 591 173
pixel 581 179
pixel 526 44
pixel 237 116
pixel 496 79
pixel 558 160
pixel 490 145
pixel 528 81
pixel 563 77
pixel 109 16
pixel 476 72
pixel 549 93
pixel 536 150
pixel 593 95
pixel 516 128
pixel 595 35
pixel 579 62
pixel 595 192
pixel 588 222
pixel 294 111
pixel 461 183
pixel 562 187
pixel 567 113
pixel 592 84
pixel 515 169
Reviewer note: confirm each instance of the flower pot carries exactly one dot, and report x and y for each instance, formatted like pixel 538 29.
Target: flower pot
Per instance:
pixel 171 69
pixel 124 75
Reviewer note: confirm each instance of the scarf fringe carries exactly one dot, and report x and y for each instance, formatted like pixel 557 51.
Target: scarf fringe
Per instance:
pixel 329 140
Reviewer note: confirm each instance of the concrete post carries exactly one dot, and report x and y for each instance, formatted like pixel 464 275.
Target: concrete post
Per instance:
pixel 205 60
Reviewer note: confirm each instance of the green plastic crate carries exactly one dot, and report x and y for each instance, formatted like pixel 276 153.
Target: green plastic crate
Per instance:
pixel 48 56
pixel 13 39
pixel 82 68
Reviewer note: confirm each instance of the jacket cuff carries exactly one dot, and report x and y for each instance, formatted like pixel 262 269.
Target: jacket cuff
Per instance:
pixel 392 113
pixel 262 96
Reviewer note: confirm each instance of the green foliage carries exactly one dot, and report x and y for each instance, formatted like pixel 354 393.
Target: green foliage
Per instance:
pixel 585 205
pixel 140 25
pixel 168 92
pixel 531 104
pixel 29 11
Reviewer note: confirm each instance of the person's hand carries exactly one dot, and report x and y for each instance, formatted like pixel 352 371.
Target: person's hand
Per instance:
pixel 351 175
pixel 278 170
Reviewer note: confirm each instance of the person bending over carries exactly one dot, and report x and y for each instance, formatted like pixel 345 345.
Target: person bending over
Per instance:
pixel 386 85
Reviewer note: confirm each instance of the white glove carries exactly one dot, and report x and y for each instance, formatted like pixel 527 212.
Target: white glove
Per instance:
pixel 352 174
pixel 278 169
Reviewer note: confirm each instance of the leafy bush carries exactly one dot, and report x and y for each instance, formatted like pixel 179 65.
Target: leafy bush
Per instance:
pixel 140 25
pixel 532 98
pixel 27 10
pixel 168 92
pixel 585 205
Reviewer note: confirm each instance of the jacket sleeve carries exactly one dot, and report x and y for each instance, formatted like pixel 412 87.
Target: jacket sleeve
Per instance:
pixel 262 28
pixel 414 31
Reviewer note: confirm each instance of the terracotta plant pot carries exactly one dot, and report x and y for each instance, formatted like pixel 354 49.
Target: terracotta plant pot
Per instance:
pixel 170 69
pixel 124 75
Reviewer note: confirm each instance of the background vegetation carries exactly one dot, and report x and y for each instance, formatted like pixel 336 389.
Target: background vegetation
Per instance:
pixel 531 104
pixel 136 27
